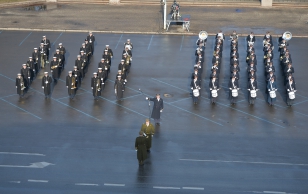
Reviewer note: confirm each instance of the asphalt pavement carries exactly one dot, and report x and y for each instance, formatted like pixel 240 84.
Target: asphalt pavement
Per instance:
pixel 60 145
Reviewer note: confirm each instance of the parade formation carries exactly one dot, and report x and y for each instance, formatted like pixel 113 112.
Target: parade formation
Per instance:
pixel 40 60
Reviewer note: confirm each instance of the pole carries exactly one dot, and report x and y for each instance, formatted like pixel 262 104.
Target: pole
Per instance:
pixel 165 13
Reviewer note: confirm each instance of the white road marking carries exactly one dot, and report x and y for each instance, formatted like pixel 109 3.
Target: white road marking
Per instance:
pixel 158 187
pixel 33 165
pixel 193 188
pixel 14 181
pixel 38 181
pixel 115 185
pixel 245 162
pixel 276 192
pixel 86 184
pixel 29 154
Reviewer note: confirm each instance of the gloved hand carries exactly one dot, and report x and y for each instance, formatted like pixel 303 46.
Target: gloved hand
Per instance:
pixel 43 87
pixel 146 98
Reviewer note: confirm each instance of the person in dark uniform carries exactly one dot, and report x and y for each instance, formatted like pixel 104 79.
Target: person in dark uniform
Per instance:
pixel 43 56
pixel 103 77
pixel 119 88
pixel 77 74
pixel 35 57
pixel 110 53
pixel 214 86
pixel 291 87
pixel 96 86
pixel 250 39
pixel 80 65
pixel 157 108
pixel 233 86
pixel 128 44
pixel 107 57
pixel 46 43
pixel 148 130
pixel 31 67
pixel 54 68
pixel 252 87
pixel 71 84
pixel 140 146
pixel 20 85
pixel 62 50
pixel 195 86
pixel 46 84
pixel 91 39
pixel 26 75
pixel 272 88
pixel 59 57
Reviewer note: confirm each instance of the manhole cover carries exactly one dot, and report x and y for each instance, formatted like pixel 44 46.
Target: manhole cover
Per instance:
pixel 167 95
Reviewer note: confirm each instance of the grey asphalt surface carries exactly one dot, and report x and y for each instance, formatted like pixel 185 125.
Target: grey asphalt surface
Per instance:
pixel 132 18
pixel 237 149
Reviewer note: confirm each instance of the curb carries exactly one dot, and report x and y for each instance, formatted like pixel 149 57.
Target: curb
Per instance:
pixel 136 32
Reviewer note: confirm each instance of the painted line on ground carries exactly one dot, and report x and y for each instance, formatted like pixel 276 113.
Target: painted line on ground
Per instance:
pixel 114 185
pixel 76 109
pixel 9 95
pixel 193 188
pixel 25 38
pixel 150 42
pixel 158 187
pixel 123 107
pixel 182 43
pixel 244 162
pixel 17 153
pixel 57 39
pixel 179 100
pixel 7 77
pixel 15 181
pixel 21 108
pixel 300 102
pixel 75 95
pixel 86 184
pixel 195 114
pixel 38 181
pixel 118 42
pixel 129 97
pixel 250 114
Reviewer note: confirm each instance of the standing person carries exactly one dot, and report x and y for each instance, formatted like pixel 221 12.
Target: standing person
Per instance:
pixel 46 84
pixel 234 87
pixel 148 129
pixel 214 87
pixel 36 56
pixel 119 87
pixel 272 88
pixel 26 75
pixel 291 89
pixel 77 74
pixel 62 52
pixel 109 52
pixel 128 44
pixel 54 68
pixel 157 108
pixel 195 85
pixel 20 85
pixel 96 86
pixel 252 88
pixel 71 85
pixel 46 43
pixel 91 40
pixel 140 146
